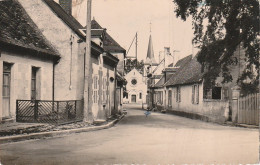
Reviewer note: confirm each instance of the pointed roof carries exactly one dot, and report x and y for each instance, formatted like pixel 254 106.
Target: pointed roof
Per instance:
pixel 150 60
pixel 109 43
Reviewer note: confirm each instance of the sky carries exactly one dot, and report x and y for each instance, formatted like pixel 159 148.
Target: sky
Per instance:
pixel 123 18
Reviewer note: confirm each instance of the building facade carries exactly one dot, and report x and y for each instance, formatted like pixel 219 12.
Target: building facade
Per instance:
pixel 55 71
pixel 136 87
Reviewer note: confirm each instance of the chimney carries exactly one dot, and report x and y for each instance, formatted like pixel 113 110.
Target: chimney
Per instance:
pixel 66 5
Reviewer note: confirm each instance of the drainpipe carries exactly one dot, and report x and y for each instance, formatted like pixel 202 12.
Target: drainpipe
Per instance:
pixel 53 81
pixel 115 90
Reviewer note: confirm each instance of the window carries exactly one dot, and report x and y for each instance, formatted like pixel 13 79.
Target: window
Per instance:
pixel 104 90
pixel 170 98
pixel 95 91
pixel 216 93
pixel 178 94
pixel 195 94
pixel 134 81
pixel 33 83
pixel 140 95
pixel 160 97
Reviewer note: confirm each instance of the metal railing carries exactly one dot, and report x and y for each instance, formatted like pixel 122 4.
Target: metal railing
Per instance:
pixel 54 112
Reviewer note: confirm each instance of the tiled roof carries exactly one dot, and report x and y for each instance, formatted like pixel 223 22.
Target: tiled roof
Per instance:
pixel 97 32
pixel 180 63
pixel 17 29
pixel 160 83
pixel 189 73
pixel 67 18
pixel 109 43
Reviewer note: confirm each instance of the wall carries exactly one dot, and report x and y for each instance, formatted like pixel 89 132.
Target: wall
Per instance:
pixel 211 110
pixel 120 65
pixel 60 35
pixel 111 88
pixel 21 78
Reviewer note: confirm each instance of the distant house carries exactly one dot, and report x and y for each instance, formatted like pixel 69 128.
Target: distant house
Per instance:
pixel 27 60
pixel 136 87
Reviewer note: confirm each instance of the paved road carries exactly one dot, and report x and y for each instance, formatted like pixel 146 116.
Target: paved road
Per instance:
pixel 157 139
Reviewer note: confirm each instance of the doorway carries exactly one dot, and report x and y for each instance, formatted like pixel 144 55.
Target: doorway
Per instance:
pixel 133 99
pixel 6 90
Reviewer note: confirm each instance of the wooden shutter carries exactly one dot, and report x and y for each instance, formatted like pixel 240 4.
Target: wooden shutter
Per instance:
pixel 193 94
pixel 197 95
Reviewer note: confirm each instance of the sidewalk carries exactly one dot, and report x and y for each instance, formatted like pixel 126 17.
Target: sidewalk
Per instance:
pixel 11 132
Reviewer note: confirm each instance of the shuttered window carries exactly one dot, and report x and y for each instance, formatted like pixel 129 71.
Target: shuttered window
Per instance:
pixel 33 83
pixel 178 94
pixel 95 91
pixel 170 98
pixel 195 94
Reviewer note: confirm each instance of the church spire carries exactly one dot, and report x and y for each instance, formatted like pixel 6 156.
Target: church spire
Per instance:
pixel 150 60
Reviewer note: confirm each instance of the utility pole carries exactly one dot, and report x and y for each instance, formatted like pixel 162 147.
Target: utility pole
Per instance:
pixel 136 49
pixel 88 69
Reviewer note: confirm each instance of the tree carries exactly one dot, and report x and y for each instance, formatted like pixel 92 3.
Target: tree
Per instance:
pixel 131 64
pixel 220 27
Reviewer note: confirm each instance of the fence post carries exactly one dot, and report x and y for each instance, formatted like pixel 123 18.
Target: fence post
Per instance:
pixel 58 112
pixel 75 109
pixel 35 110
pixel 235 103
pixel 17 111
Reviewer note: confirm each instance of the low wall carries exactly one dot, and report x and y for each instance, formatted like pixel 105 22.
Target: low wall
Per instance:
pixel 208 110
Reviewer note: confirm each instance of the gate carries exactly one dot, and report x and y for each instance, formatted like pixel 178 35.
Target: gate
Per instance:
pixel 248 109
pixel 55 112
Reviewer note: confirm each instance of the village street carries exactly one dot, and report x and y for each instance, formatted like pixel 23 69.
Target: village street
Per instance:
pixel 159 138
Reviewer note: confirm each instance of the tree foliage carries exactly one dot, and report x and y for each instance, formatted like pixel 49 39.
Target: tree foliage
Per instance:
pixel 133 63
pixel 220 28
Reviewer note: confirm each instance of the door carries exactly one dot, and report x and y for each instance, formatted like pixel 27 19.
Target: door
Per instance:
pixel 6 90
pixel 133 99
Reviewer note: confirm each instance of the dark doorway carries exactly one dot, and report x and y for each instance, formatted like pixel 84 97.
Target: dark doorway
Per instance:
pixel 133 99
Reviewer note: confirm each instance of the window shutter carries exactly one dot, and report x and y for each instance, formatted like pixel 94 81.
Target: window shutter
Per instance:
pixel 193 95
pixel 197 99
pixel 225 93
pixel 179 94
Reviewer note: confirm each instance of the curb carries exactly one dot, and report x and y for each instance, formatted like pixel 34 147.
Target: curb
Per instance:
pixel 39 135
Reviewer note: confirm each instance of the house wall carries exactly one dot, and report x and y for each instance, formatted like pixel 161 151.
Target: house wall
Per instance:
pixel 21 79
pixel 120 65
pixel 67 73
pixel 111 88
pixel 210 110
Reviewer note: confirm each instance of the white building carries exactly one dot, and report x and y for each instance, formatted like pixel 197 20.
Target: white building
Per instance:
pixel 136 87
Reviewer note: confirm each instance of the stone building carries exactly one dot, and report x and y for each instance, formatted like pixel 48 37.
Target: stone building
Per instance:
pixel 56 58
pixel 136 87
pixel 27 60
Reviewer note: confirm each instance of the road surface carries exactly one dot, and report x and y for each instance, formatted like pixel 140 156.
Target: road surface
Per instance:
pixel 156 139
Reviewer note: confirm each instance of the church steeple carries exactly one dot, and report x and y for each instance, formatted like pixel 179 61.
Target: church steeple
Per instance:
pixel 150 60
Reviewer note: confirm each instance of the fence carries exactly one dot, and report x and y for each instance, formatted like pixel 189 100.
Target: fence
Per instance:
pixel 55 112
pixel 248 109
